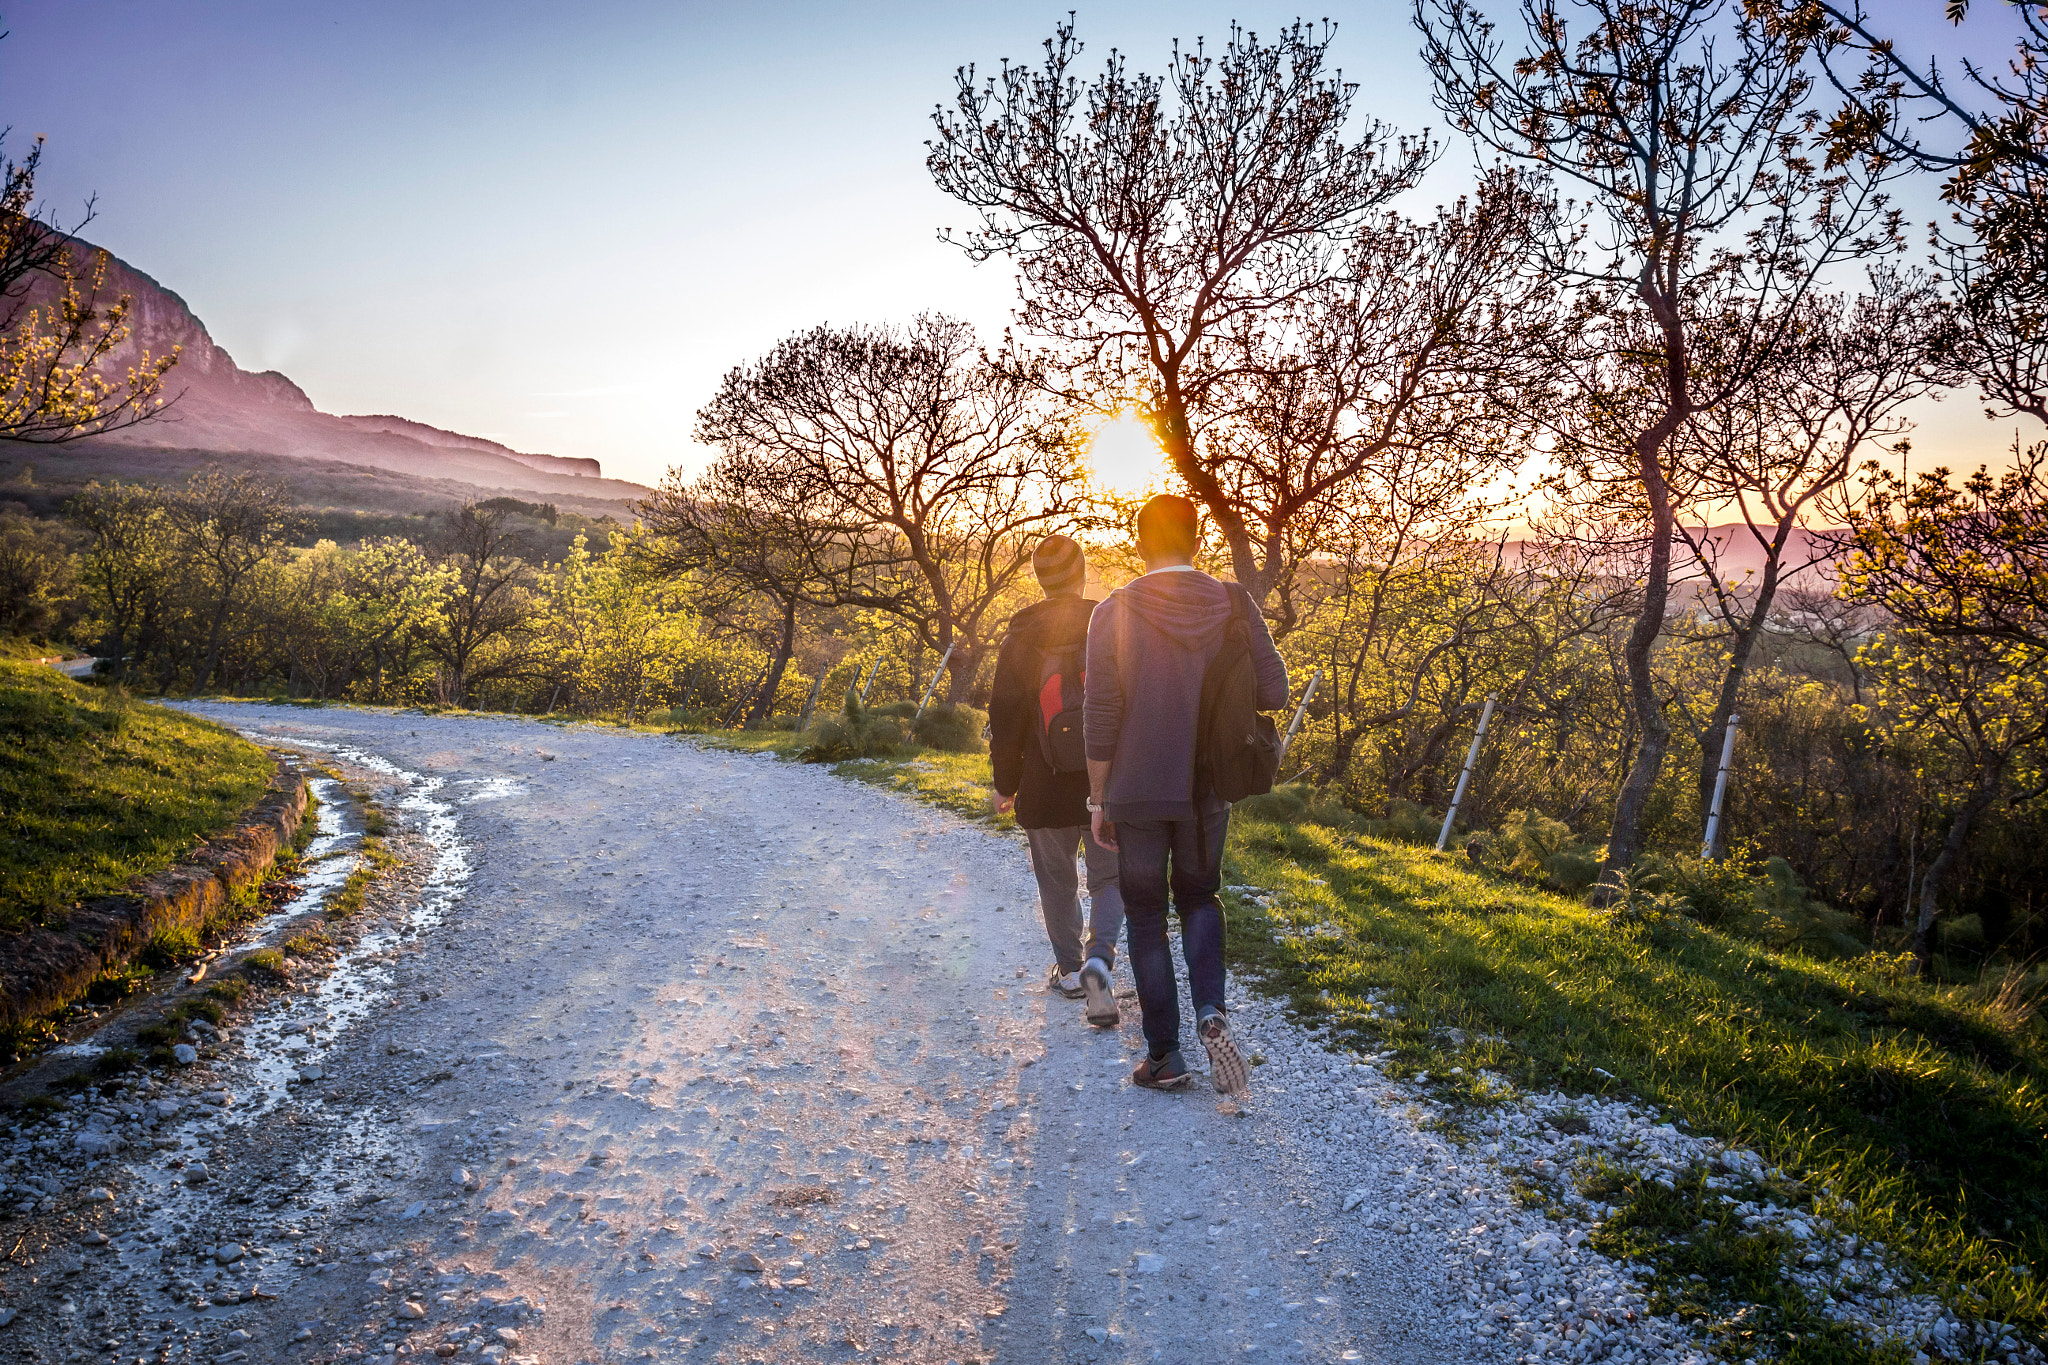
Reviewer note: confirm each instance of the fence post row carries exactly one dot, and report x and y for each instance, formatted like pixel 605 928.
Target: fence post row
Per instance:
pixel 1299 712
pixel 1465 777
pixel 1707 845
pixel 944 659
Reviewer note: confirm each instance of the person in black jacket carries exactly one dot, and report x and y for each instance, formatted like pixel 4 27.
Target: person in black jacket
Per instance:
pixel 1052 805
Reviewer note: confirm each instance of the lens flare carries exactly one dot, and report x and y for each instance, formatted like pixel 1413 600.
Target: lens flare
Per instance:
pixel 1124 458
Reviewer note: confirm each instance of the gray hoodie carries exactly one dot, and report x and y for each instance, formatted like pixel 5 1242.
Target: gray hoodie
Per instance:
pixel 1148 648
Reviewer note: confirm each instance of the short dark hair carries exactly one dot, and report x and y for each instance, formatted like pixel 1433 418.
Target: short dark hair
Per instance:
pixel 1168 524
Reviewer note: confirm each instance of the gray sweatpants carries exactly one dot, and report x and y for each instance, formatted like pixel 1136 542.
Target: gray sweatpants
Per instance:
pixel 1059 900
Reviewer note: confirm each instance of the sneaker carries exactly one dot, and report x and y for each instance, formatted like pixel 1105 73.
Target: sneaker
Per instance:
pixel 1066 983
pixel 1164 1073
pixel 1226 1063
pixel 1102 1011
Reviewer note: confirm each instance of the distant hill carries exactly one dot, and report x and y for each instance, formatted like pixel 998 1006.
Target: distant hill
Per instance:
pixel 221 407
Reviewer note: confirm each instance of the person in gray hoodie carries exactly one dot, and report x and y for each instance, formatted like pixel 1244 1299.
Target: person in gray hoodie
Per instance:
pixel 1149 647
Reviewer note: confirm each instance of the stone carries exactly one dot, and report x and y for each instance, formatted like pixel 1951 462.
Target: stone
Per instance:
pixel 97 1144
pixel 1098 1335
pixel 1150 1263
pixel 99 1194
pixel 184 1054
pixel 94 1238
pixel 197 1174
pixel 748 1262
pixel 312 1071
pixel 227 1253
pixel 508 1335
pixel 8 1315
pixel 414 1209
pixel 409 1309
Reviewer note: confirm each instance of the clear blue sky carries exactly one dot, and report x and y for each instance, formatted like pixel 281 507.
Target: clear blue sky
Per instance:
pixel 558 225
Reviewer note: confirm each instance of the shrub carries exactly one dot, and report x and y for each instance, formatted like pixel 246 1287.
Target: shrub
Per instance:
pixel 1536 848
pixel 899 710
pixel 1719 893
pixel 952 728
pixel 855 732
pixel 1284 805
pixel 1634 899
pixel 1406 822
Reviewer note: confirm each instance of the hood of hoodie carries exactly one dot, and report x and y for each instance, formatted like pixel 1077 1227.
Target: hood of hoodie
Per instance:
pixel 1190 609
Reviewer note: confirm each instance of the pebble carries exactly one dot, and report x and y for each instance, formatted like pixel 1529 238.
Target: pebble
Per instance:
pixel 227 1253
pixel 184 1054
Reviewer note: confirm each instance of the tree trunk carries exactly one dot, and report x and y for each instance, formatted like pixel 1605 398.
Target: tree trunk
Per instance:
pixel 785 647
pixel 962 669
pixel 1625 841
pixel 1979 800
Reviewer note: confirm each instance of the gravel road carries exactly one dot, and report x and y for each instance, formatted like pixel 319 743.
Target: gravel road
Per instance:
pixel 735 1010
pixel 656 1052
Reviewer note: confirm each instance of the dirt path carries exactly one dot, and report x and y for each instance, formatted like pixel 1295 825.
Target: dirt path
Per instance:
pixel 701 1056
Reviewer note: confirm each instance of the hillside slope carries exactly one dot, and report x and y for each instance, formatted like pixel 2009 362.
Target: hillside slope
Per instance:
pixel 219 406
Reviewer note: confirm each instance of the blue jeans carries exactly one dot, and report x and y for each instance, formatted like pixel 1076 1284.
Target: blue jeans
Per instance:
pixel 1155 858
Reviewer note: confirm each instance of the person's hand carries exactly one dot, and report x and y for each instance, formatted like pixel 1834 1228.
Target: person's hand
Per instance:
pixel 1001 804
pixel 1104 830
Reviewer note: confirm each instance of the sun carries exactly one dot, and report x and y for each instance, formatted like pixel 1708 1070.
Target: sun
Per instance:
pixel 1124 458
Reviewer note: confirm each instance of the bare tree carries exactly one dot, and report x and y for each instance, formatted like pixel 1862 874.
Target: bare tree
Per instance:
pixel 1686 123
pixel 1782 454
pixel 1401 390
pixel 1987 136
pixel 924 472
pixel 488 615
pixel 747 535
pixel 1149 216
pixel 229 526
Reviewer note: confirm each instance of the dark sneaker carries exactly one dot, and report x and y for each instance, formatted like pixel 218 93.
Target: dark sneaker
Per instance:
pixel 1102 1011
pixel 1226 1063
pixel 1066 983
pixel 1167 1073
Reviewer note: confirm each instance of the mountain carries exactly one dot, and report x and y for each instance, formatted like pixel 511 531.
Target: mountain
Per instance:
pixel 218 406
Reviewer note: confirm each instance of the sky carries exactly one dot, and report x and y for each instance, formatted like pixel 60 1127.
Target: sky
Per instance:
pixel 558 226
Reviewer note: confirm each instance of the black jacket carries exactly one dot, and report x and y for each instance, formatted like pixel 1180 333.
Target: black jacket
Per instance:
pixel 1045 799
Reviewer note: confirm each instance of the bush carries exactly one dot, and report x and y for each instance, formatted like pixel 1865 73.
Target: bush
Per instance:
pixel 897 710
pixel 952 728
pixel 855 732
pixel 1284 805
pixel 1532 846
pixel 1406 822
pixel 1719 893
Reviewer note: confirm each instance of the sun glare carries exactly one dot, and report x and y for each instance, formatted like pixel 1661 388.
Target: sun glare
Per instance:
pixel 1124 458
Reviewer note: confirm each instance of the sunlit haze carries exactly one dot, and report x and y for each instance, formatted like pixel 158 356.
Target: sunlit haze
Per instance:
pixel 1124 458
pixel 558 226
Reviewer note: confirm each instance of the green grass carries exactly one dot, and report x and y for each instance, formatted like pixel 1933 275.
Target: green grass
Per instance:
pixel 1910 1112
pixel 96 789
pixel 25 647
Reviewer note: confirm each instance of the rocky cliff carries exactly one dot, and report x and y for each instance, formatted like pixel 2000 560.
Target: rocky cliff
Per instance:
pixel 218 405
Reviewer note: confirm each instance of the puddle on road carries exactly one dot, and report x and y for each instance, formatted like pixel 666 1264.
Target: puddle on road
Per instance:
pixel 294 1035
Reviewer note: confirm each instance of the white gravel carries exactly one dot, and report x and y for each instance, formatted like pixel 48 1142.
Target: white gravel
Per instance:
pixel 704 1056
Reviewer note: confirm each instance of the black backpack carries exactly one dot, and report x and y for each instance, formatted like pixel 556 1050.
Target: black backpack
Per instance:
pixel 1062 673
pixel 1237 748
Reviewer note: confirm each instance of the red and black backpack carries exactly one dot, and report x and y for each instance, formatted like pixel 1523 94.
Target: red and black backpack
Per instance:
pixel 1062 677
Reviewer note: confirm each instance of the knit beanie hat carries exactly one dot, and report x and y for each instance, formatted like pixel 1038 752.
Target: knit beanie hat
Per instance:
pixel 1059 565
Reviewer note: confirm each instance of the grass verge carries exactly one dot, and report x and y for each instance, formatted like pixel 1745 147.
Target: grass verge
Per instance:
pixel 96 789
pixel 1909 1112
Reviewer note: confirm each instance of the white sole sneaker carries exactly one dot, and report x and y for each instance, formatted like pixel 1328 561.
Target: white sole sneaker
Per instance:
pixel 1102 1010
pixel 1226 1063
